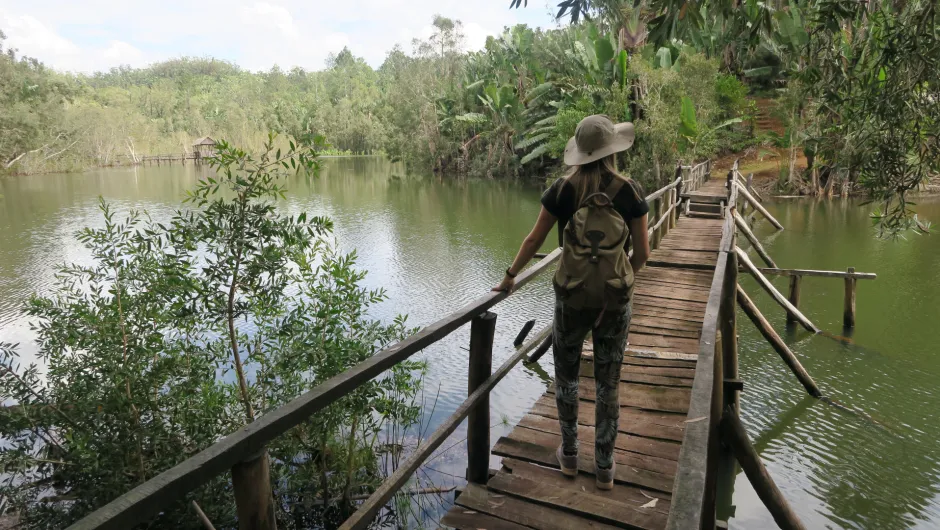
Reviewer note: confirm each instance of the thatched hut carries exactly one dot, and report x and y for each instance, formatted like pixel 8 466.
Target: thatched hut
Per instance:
pixel 204 147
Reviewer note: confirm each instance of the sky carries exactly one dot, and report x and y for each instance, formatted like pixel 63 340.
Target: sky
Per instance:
pixel 95 35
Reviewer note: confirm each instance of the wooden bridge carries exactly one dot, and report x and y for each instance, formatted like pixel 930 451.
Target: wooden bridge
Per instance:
pixel 679 397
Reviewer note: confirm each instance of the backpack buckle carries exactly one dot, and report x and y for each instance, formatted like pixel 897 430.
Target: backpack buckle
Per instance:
pixel 595 237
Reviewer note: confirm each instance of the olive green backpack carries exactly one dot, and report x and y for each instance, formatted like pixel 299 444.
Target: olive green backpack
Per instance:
pixel 594 272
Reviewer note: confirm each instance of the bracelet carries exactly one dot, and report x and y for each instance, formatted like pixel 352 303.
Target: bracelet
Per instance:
pixel 511 275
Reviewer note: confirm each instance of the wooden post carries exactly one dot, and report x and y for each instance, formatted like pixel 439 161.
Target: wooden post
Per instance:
pixel 768 332
pixel 729 330
pixel 733 433
pixel 482 330
pixel 848 316
pixel 773 292
pixel 757 206
pixel 254 503
pixel 742 226
pixel 657 212
pixel 794 296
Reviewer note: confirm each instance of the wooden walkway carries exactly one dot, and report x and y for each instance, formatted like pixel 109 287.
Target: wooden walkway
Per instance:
pixel 655 392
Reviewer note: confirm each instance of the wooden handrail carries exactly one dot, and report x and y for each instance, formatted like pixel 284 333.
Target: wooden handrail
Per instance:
pixel 363 516
pixel 147 499
pixel 825 274
pixel 661 191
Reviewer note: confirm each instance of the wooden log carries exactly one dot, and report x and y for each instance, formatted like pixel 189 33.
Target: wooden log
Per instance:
pixel 147 499
pixel 364 516
pixel 733 433
pixel 482 330
pixel 202 516
pixel 772 291
pixel 794 297
pixel 742 226
pixel 540 351
pixel 768 332
pixel 759 207
pixel 254 501
pixel 657 214
pixel 848 315
pixel 824 274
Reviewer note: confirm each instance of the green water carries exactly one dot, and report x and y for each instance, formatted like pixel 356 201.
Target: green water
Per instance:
pixel 435 246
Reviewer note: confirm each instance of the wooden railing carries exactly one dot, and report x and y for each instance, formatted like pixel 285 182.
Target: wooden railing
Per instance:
pixel 714 387
pixel 694 176
pixel 243 452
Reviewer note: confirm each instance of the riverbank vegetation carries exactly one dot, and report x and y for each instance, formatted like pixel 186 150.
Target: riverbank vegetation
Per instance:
pixel 853 89
pixel 183 332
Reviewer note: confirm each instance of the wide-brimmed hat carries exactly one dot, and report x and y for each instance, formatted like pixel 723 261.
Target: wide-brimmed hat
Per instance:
pixel 597 137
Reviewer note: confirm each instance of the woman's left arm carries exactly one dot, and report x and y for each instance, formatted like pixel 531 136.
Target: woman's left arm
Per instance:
pixel 530 245
pixel 641 244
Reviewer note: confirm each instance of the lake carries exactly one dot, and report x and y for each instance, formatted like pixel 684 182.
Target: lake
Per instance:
pixel 438 245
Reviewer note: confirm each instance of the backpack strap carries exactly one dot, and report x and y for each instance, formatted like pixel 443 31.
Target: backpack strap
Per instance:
pixel 613 188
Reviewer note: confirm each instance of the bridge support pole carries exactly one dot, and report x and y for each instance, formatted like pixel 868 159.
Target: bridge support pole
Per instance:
pixel 794 297
pixel 734 434
pixel 848 316
pixel 482 330
pixel 254 503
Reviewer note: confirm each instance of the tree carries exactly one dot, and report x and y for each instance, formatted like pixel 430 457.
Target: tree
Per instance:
pixel 873 73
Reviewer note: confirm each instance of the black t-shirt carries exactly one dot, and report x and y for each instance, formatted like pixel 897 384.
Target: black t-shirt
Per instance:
pixel 630 201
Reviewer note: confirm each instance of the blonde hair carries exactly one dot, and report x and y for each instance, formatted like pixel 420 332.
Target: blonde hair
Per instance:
pixel 588 179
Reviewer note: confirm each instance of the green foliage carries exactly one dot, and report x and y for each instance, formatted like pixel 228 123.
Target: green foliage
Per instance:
pixel 873 72
pixel 183 332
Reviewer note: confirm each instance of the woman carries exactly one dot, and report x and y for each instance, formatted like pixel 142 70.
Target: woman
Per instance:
pixel 583 192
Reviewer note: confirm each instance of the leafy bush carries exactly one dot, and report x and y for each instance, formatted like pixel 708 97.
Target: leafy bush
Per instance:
pixel 182 332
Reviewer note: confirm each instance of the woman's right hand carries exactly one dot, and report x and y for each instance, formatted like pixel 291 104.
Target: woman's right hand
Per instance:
pixel 507 284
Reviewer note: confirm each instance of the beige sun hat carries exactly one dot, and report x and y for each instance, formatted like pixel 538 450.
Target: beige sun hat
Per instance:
pixel 597 137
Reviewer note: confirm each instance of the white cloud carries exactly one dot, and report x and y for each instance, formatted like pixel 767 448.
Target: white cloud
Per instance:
pixel 33 38
pixel 256 34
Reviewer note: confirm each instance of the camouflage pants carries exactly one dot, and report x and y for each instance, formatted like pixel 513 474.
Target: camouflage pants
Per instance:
pixel 610 339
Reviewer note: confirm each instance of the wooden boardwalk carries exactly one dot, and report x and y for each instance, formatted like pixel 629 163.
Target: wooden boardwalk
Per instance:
pixel 655 392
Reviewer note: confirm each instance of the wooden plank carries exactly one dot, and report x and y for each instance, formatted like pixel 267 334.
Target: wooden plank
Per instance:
pixel 649 397
pixel 631 359
pixel 508 508
pixel 651 311
pixel 624 442
pixel 633 421
pixel 677 344
pixel 665 323
pixel 621 493
pixel 147 499
pixel 674 293
pixel 550 441
pixel 684 256
pixel 465 519
pixel 626 472
pixel 669 281
pixel 634 328
pixel 665 303
pixel 647 375
pixel 582 503
pixel 694 276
